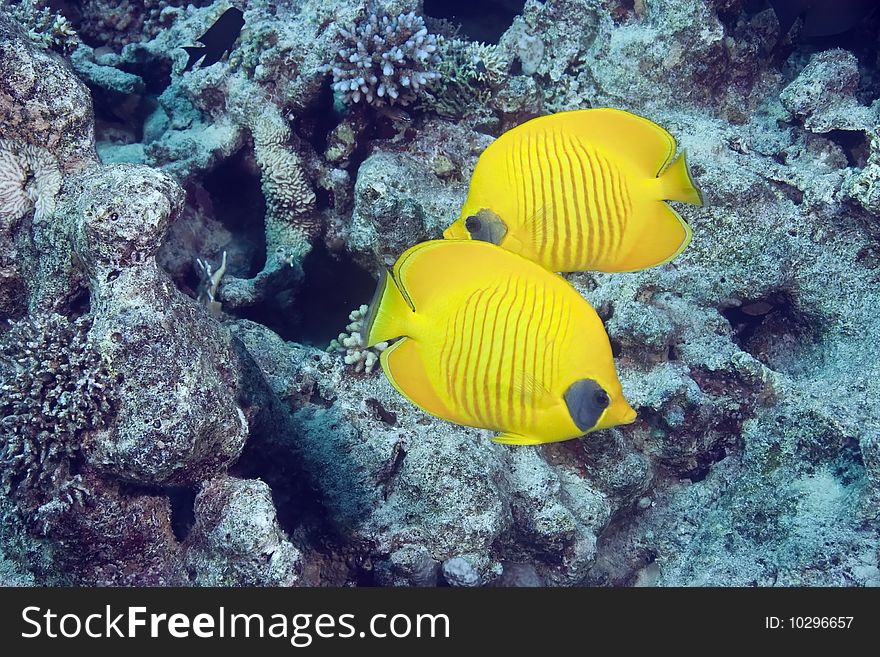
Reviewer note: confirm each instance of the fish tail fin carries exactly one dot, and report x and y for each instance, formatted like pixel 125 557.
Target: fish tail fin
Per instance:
pixel 677 184
pixel 390 312
pixel 195 53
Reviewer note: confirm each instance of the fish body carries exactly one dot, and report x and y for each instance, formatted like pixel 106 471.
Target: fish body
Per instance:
pixel 492 340
pixel 581 190
pixel 217 40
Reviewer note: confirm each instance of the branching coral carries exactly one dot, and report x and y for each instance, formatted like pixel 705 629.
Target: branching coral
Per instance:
pixel 352 344
pixel 385 60
pixel 29 179
pixel 468 72
pixel 53 387
pixel 44 27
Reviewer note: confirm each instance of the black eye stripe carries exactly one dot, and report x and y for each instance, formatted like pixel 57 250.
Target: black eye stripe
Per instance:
pixel 586 401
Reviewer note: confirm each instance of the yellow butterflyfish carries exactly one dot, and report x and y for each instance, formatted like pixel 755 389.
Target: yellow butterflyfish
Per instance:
pixel 490 339
pixel 581 190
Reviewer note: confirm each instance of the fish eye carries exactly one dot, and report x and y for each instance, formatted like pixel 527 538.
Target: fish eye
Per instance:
pixel 473 224
pixel 601 398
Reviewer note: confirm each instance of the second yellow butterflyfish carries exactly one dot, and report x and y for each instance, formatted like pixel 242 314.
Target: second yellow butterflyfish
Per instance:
pixel 490 339
pixel 581 190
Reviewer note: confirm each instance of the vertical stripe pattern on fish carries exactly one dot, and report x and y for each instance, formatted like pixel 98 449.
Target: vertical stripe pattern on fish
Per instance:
pixel 581 190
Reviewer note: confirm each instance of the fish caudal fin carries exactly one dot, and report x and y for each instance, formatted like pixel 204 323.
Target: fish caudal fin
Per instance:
pixel 676 183
pixel 390 313
pixel 664 236
pixel 405 368
pixel 195 54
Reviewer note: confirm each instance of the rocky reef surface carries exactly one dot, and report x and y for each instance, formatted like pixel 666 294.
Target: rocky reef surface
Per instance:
pixel 177 250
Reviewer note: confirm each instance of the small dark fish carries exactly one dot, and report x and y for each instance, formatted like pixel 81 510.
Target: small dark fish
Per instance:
pixel 218 39
pixel 821 17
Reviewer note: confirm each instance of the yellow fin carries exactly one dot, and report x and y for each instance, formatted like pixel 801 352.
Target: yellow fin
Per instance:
pixel 663 238
pixel 643 143
pixel 390 312
pixel 677 184
pixel 405 369
pixel 515 439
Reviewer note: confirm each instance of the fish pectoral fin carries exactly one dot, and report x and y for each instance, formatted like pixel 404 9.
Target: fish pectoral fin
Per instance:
pixel 516 439
pixel 405 369
pixel 664 236
pixel 533 391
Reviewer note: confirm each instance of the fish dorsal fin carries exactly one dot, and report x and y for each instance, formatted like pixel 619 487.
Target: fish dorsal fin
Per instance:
pixel 405 369
pixel 433 269
pixel 642 143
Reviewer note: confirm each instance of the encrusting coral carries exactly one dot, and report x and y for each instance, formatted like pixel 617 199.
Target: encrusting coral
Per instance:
pixel 290 221
pixel 29 180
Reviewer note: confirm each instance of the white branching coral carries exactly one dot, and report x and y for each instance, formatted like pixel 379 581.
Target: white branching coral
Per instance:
pixel 29 180
pixel 385 60
pixel 353 345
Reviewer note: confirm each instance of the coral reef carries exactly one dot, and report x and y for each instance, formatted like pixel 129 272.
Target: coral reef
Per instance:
pixel 236 540
pixel 190 432
pixel 29 181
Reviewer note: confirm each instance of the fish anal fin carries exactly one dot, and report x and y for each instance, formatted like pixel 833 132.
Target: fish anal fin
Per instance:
pixel 516 439
pixel 405 369
pixel 664 236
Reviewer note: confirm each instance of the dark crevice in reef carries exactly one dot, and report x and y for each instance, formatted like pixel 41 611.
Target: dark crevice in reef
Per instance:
pixel 264 459
pixel 774 330
pixel 481 20
pixel 182 511
pixel 332 287
pixel 854 145
pixel 238 203
pixel 154 71
pixel 120 119
pixel 316 122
